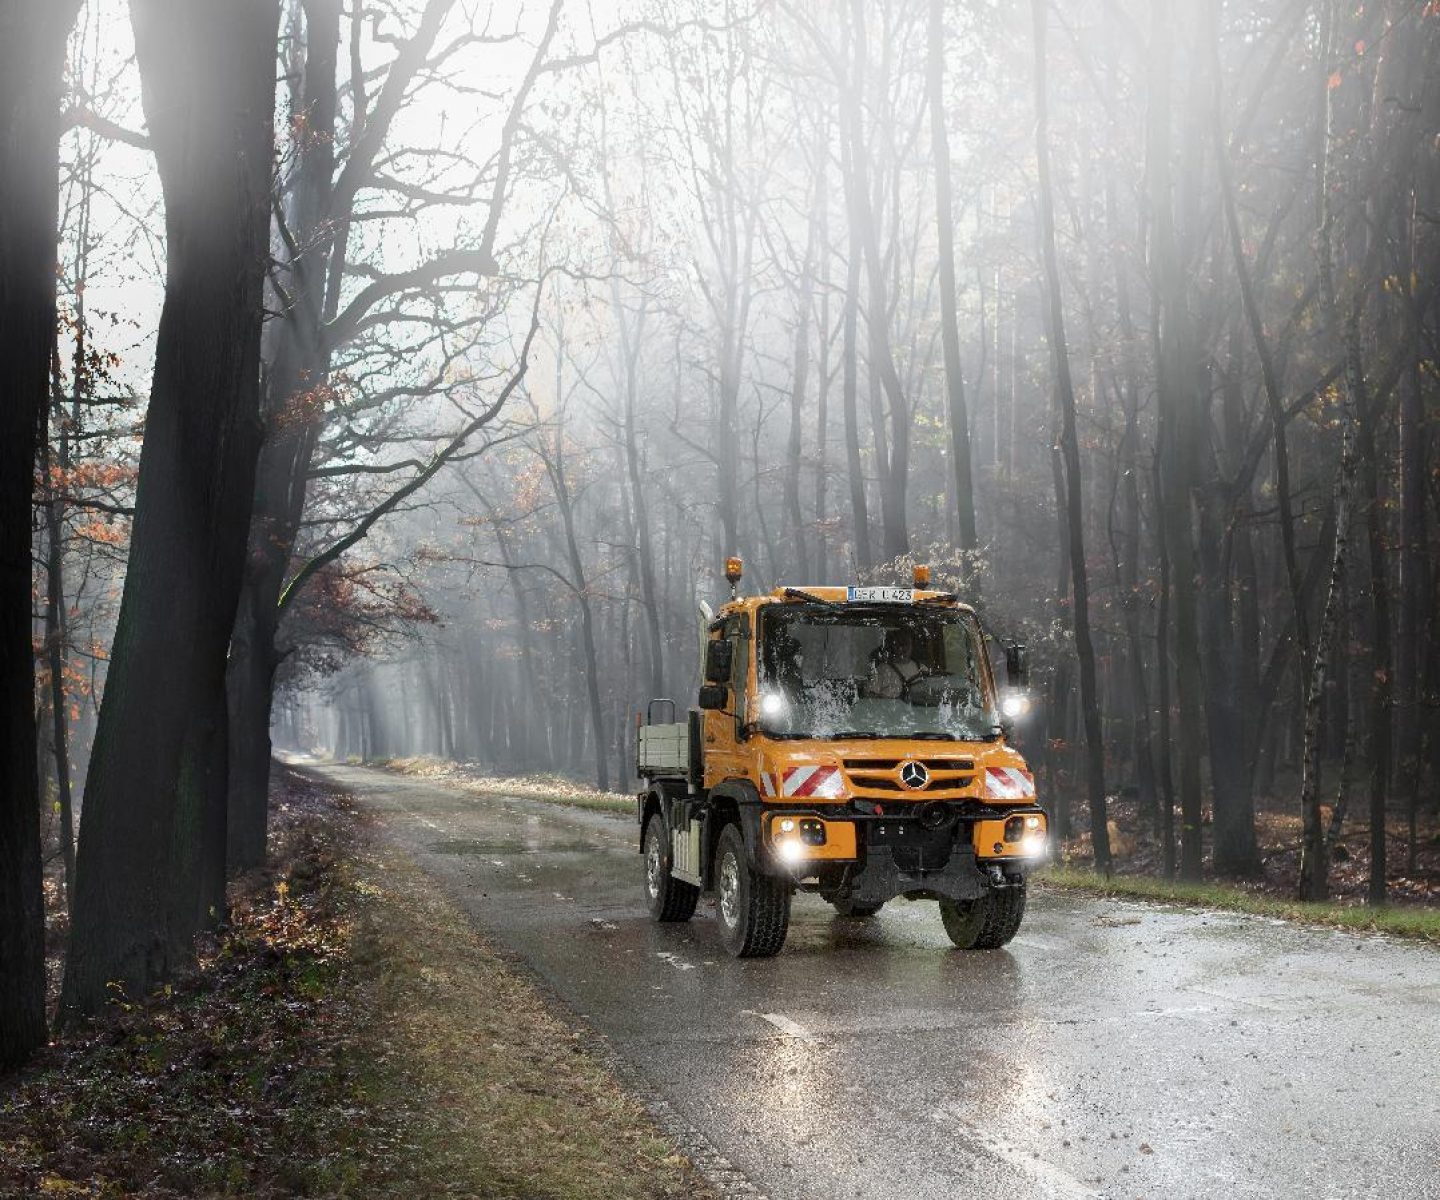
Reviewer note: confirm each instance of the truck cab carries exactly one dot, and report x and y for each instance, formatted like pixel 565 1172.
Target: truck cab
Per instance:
pixel 850 741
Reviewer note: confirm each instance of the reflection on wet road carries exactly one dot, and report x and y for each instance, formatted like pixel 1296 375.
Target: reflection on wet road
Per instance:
pixel 1114 1050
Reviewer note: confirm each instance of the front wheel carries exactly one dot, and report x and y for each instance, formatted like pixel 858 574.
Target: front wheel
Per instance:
pixel 753 909
pixel 987 923
pixel 670 899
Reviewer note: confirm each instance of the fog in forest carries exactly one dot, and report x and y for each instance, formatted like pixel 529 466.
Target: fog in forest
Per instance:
pixel 1120 316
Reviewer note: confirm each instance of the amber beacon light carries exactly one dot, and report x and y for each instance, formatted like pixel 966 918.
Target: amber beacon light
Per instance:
pixel 922 576
pixel 734 572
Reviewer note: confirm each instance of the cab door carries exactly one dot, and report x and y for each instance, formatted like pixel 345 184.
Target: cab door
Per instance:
pixel 724 755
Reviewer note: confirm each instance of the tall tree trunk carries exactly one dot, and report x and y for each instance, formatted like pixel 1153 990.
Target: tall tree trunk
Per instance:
pixel 643 543
pixel 1070 445
pixel 56 641
pixel 1314 860
pixel 1177 438
pixel 32 47
pixel 822 392
pixel 1164 753
pixel 555 468
pixel 1412 587
pixel 893 464
pixel 208 80
pixel 859 511
pixel 804 301
pixel 949 318
pixel 294 406
pixel 1381 665
pixel 1127 551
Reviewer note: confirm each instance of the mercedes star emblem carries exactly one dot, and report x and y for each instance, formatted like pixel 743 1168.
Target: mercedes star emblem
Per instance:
pixel 914 775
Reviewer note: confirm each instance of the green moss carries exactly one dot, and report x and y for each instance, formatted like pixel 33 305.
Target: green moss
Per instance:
pixel 1422 924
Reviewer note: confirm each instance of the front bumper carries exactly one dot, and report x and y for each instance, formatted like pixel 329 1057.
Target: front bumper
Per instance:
pixel 958 851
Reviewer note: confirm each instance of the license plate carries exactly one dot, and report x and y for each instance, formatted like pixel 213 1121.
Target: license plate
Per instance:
pixel 881 595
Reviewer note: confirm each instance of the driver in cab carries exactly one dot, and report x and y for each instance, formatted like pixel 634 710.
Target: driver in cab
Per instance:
pixel 894 667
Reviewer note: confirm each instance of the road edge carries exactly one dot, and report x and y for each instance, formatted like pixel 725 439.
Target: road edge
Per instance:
pixel 715 1168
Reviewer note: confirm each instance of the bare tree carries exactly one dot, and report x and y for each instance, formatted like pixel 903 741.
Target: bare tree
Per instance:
pixel 151 854
pixel 32 45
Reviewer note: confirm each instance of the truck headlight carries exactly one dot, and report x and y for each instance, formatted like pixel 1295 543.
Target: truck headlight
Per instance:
pixel 1015 705
pixel 792 850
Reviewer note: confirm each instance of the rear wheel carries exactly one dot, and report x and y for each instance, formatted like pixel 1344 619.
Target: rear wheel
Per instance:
pixel 853 908
pixel 987 923
pixel 753 909
pixel 670 899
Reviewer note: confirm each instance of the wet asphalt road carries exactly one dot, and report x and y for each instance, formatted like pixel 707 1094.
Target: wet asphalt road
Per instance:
pixel 1113 1050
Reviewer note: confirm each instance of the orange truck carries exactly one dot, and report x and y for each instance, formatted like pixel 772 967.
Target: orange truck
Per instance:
pixel 850 741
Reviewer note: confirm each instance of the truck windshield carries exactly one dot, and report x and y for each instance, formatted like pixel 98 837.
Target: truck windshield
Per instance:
pixel 873 671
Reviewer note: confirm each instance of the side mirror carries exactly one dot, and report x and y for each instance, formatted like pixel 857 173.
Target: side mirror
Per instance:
pixel 719 657
pixel 1017 665
pixel 712 697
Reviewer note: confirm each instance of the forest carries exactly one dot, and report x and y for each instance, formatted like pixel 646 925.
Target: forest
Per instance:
pixel 387 379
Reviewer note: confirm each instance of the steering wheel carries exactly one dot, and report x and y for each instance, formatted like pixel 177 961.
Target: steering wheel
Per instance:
pixel 921 674
pixel 962 694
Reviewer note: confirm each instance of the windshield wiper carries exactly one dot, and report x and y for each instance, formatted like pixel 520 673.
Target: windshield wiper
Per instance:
pixel 801 594
pixel 854 733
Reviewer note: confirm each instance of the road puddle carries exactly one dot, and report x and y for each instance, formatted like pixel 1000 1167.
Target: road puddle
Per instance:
pixel 469 846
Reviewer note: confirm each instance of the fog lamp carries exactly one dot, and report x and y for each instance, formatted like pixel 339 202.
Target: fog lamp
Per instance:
pixel 792 851
pixel 812 833
pixel 1034 845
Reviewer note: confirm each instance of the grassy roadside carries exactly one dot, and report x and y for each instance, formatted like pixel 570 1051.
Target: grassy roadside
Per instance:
pixel 1421 924
pixel 510 1104
pixel 350 1035
pixel 554 789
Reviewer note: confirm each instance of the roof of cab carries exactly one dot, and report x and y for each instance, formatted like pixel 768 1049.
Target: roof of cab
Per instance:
pixel 837 595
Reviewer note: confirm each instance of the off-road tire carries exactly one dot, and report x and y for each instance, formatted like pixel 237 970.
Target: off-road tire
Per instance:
pixel 987 923
pixel 670 899
pixel 856 911
pixel 758 904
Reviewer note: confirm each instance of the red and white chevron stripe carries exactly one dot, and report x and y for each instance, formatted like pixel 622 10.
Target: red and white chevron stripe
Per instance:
pixel 1008 783
pixel 823 783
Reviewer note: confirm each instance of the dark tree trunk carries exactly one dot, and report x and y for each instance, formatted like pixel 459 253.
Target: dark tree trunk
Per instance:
pixel 859 510
pixel 949 328
pixel 294 405
pixel 1177 439
pixel 208 77
pixel 1070 446
pixel 893 463
pixel 1127 551
pixel 1164 752
pixel 32 46
pixel 56 640
pixel 800 369
pixel 1381 667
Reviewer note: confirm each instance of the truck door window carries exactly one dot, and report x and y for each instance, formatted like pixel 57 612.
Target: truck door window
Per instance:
pixel 737 631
